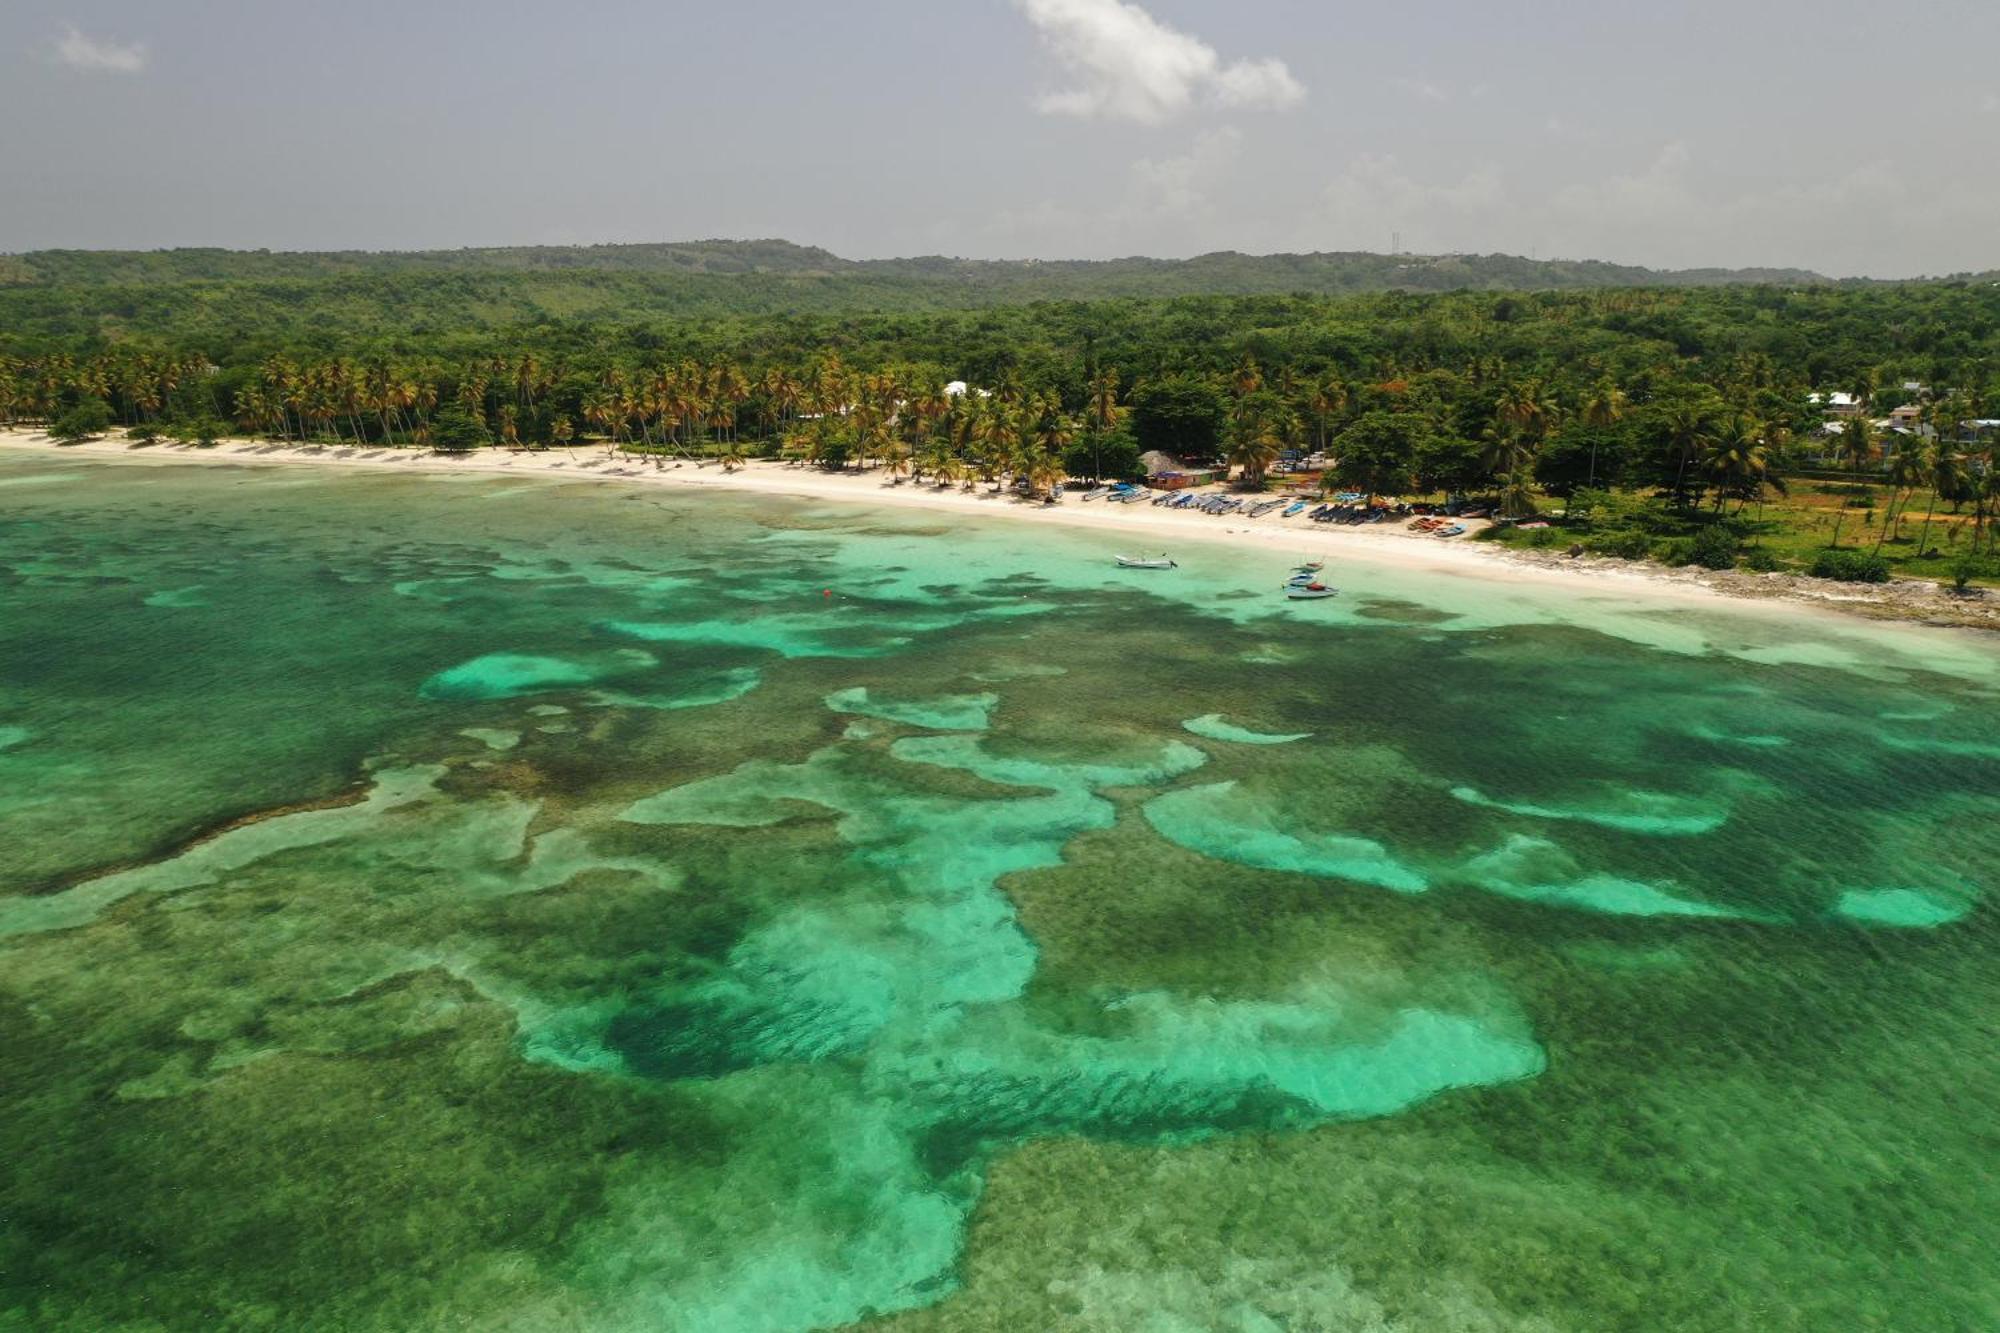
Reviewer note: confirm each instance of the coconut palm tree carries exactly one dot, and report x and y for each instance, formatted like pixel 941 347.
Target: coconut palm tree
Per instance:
pixel 1043 470
pixel 1857 443
pixel 1248 378
pixel 1526 406
pixel 1504 449
pixel 1908 468
pixel 1517 494
pixel 895 455
pixel 1327 401
pixel 1948 476
pixel 1734 458
pixel 1690 427
pixel 1257 445
pixel 1606 406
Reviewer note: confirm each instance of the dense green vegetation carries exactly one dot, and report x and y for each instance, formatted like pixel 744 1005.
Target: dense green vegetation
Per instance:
pixel 1688 404
pixel 826 281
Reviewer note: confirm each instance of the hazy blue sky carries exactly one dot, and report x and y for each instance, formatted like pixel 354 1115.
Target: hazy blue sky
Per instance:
pixel 1845 137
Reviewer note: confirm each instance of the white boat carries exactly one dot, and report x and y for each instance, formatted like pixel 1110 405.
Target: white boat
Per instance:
pixel 1310 592
pixel 1312 566
pixel 1138 562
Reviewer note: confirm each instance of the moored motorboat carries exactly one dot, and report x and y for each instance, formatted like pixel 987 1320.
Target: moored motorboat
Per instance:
pixel 1310 592
pixel 1139 562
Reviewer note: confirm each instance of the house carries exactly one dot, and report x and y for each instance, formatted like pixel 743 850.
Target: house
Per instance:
pixel 1980 430
pixel 1908 417
pixel 1836 404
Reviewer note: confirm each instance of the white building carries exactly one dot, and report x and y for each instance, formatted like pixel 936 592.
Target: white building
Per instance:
pixel 1836 404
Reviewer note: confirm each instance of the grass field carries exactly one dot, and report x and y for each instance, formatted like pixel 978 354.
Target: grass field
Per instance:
pixel 1917 535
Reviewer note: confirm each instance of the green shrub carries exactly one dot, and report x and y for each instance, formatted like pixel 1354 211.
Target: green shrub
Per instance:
pixel 1714 547
pixel 1674 552
pixel 203 431
pixel 1624 545
pixel 1969 566
pixel 1758 558
pixel 458 429
pixel 1848 566
pixel 87 420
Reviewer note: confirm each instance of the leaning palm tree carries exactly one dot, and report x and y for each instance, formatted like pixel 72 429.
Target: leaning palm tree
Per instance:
pixel 732 456
pixel 1948 474
pixel 1908 468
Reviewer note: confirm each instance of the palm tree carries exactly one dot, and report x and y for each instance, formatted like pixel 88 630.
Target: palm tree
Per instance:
pixel 1857 443
pixel 1328 400
pixel 1504 449
pixel 947 470
pixel 896 455
pixel 1101 411
pixel 1517 495
pixel 1948 476
pixel 1605 408
pixel 1053 434
pixel 1526 406
pixel 1257 446
pixel 816 448
pixel 1248 378
pixel 1043 470
pixel 1734 457
pixel 732 455
pixel 1908 469
pixel 1690 427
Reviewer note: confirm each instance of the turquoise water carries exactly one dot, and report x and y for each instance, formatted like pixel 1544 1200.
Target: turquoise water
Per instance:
pixel 441 902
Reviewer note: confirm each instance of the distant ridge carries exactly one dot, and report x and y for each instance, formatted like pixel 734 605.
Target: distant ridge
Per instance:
pixel 1221 273
pixel 227 295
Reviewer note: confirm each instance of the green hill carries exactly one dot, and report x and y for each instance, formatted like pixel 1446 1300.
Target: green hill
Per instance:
pixel 1223 273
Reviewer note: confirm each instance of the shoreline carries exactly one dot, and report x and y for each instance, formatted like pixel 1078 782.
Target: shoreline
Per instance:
pixel 1906 601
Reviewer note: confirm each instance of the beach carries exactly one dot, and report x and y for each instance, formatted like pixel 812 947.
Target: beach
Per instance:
pixel 1154 530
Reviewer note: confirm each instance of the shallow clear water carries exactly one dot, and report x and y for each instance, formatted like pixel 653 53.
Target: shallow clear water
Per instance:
pixel 439 901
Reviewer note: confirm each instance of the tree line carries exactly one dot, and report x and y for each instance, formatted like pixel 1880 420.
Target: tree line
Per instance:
pixel 1699 396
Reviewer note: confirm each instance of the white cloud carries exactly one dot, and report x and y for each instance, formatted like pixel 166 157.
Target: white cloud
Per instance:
pixel 97 57
pixel 1374 197
pixel 1182 185
pixel 1130 66
pixel 1423 89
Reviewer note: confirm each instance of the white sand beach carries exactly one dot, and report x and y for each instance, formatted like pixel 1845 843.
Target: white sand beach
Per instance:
pixel 1152 529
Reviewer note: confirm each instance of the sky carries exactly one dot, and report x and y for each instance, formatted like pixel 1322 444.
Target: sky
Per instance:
pixel 1848 138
